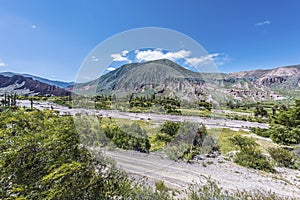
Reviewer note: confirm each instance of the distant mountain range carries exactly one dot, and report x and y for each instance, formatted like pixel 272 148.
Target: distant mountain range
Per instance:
pixel 26 85
pixel 164 78
pixel 168 79
pixel 60 84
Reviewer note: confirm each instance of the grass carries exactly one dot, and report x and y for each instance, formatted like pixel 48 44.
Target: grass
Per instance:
pixel 222 136
pixel 194 112
pixel 264 144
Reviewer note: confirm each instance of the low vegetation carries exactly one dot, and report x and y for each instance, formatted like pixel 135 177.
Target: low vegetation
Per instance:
pixel 192 139
pixel 41 158
pixel 284 158
pixel 210 190
pixel 249 155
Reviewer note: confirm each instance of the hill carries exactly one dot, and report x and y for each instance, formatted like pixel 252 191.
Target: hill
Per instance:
pixel 165 78
pixel 60 84
pixel 28 86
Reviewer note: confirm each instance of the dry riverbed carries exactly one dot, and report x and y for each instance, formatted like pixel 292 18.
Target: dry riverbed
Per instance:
pixel 208 122
pixel 226 174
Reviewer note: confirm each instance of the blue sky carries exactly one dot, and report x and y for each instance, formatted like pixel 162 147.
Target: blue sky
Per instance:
pixel 51 38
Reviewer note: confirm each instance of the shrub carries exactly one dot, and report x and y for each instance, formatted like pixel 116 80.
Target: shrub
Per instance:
pixel 253 158
pixel 284 158
pixel 249 156
pixel 170 128
pixel 243 143
pixel 261 132
pixel 161 187
pixel 284 135
pixel 211 191
pixel 191 140
pixel 167 131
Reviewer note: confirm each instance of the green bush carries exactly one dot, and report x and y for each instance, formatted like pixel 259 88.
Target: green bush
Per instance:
pixel 249 155
pixel 41 158
pixel 261 131
pixel 211 191
pixel 192 139
pixel 167 131
pixel 285 126
pixel 284 158
pixel 129 137
pixel 161 187
pixel 243 143
pixel 253 159
pixel 285 135
pixel 170 128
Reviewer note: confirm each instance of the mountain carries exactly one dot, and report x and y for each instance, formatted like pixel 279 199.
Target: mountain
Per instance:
pixel 281 77
pixel 60 84
pixel 283 80
pixel 167 79
pixel 28 86
pixel 160 77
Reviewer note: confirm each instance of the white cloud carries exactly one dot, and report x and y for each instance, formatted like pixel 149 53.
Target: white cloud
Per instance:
pixel 125 52
pixel 111 68
pixel 2 64
pixel 184 53
pixel 155 54
pixel 197 61
pixel 95 59
pixel 34 26
pixel 158 54
pixel 263 23
pixel 118 57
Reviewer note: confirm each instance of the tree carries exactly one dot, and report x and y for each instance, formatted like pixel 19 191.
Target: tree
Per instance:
pixel 285 126
pixel 260 111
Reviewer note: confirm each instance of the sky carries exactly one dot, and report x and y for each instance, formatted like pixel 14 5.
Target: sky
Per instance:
pixel 52 38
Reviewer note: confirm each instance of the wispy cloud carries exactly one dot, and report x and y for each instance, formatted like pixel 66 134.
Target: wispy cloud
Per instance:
pixel 182 57
pixel 267 22
pixel 2 64
pixel 118 57
pixel 156 54
pixel 125 52
pixel 111 68
pixel 204 59
pixel 95 59
pixel 34 26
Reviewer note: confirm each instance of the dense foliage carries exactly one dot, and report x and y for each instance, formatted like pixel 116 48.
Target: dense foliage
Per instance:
pixel 285 126
pixel 284 158
pixel 41 158
pixel 249 155
pixel 168 130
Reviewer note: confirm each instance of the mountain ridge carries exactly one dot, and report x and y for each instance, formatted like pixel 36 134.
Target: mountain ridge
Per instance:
pixel 166 78
pixel 28 86
pixel 61 84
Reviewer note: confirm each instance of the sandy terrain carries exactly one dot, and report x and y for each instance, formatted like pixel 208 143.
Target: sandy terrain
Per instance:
pixel 228 175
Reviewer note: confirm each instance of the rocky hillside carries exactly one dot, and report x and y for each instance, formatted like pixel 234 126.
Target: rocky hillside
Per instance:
pixel 166 78
pixel 281 77
pixel 160 77
pixel 61 84
pixel 28 86
pixel 274 82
